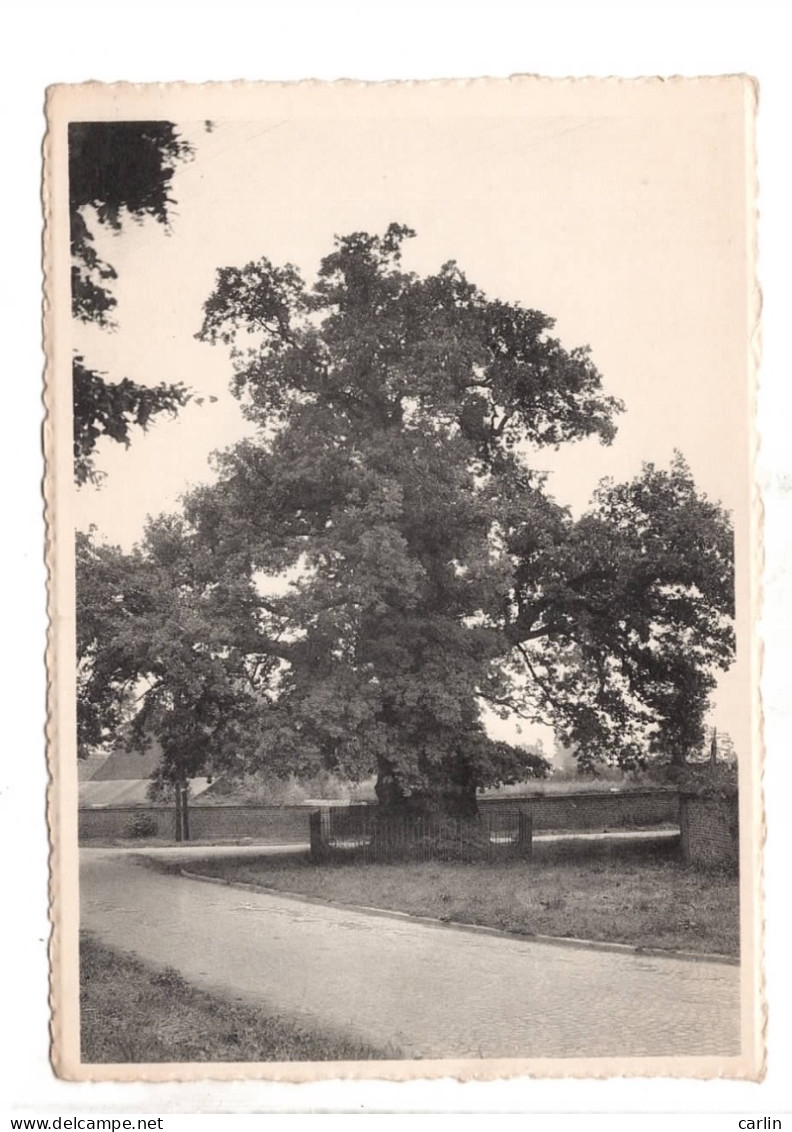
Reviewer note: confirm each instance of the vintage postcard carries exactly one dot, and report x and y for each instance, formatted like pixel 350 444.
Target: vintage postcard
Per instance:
pixel 404 554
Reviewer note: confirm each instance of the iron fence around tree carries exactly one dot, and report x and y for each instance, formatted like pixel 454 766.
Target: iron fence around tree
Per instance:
pixel 366 835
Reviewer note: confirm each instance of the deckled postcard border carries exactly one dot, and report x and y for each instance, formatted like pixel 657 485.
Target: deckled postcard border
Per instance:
pixel 182 102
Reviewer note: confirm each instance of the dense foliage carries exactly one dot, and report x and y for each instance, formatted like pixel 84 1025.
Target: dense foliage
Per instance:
pixel 167 649
pixel 432 573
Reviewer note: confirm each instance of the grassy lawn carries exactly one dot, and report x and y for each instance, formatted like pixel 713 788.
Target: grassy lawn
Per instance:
pixel 635 897
pixel 133 1013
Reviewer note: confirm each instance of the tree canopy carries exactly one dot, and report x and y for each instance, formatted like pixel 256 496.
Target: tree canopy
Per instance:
pixel 168 650
pixel 433 573
pixel 117 171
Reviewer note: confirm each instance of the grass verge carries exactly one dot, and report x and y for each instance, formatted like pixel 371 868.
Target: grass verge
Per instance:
pixel 132 1013
pixel 630 896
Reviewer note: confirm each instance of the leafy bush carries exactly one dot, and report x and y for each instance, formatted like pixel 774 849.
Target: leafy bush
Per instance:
pixel 142 825
pixel 704 778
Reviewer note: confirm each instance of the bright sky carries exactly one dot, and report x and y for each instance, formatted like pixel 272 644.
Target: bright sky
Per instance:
pixel 625 222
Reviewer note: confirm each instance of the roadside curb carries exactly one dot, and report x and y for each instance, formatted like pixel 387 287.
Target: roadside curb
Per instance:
pixel 476 929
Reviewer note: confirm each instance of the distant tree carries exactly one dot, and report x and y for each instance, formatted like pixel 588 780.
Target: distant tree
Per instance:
pixel 718 747
pixel 727 750
pixel 622 620
pixel 117 171
pixel 167 651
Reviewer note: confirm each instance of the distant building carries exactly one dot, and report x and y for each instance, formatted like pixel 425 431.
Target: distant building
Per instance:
pixel 123 777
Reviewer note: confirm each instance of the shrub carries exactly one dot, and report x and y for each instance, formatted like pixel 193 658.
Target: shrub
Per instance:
pixel 142 825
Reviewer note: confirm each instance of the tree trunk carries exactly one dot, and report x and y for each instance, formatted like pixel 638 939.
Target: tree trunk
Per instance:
pixel 185 801
pixel 453 796
pixel 182 823
pixel 178 814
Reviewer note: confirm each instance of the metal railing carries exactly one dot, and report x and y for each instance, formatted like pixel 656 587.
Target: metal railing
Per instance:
pixel 365 834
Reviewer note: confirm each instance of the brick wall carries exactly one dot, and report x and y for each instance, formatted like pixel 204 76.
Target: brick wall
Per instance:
pixel 267 824
pixel 110 822
pixel 590 811
pixel 289 824
pixel 710 827
pixel 275 824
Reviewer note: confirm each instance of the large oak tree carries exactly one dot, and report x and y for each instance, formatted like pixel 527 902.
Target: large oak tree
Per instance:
pixel 433 574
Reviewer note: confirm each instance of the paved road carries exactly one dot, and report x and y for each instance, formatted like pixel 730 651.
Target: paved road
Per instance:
pixel 431 991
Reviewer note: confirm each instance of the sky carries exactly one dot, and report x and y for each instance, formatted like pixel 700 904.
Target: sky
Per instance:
pixel 622 216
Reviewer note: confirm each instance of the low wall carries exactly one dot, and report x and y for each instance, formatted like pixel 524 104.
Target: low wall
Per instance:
pixel 285 825
pixel 594 811
pixel 289 825
pixel 710 829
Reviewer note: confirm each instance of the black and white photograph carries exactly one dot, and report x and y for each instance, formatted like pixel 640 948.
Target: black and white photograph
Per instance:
pixel 403 549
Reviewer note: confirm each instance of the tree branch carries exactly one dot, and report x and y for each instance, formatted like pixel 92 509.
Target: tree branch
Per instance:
pixel 507 703
pixel 537 679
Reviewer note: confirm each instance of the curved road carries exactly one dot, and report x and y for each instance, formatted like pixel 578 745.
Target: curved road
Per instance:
pixel 431 992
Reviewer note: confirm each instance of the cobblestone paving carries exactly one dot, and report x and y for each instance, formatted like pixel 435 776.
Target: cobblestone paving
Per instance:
pixel 432 992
